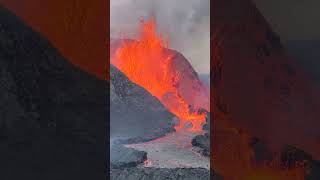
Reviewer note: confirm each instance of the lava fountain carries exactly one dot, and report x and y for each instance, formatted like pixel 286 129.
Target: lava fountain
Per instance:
pixel 149 63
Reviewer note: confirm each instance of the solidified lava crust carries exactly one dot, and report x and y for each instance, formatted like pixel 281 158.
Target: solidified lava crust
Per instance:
pixel 159 174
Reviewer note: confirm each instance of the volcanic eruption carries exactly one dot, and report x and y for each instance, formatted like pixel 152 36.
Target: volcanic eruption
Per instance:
pixel 165 74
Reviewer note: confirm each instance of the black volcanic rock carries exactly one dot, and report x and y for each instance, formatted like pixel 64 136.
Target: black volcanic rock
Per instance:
pixel 206 126
pixel 136 115
pixel 122 157
pixel 160 174
pixel 203 142
pixel 53 116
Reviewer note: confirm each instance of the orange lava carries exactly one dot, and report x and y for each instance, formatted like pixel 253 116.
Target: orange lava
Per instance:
pixel 147 63
pixel 148 163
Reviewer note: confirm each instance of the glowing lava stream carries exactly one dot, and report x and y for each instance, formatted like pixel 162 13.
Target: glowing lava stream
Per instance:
pixel 148 63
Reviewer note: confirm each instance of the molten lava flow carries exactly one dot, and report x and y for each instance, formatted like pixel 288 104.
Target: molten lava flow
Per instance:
pixel 148 63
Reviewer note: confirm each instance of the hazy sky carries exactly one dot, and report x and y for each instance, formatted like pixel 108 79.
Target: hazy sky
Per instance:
pixel 293 19
pixel 186 22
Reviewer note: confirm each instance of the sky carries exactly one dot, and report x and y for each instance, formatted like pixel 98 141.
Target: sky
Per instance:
pixel 185 22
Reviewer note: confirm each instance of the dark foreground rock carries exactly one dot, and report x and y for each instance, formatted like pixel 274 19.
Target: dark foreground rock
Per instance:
pixel 136 115
pixel 53 116
pixel 206 126
pixel 125 157
pixel 203 142
pixel 159 174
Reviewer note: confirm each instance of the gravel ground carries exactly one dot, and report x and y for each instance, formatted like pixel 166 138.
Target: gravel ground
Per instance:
pixel 160 174
pixel 173 151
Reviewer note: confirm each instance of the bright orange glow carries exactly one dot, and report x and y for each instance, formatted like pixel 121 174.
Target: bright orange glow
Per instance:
pixel 149 64
pixel 275 171
pixel 234 159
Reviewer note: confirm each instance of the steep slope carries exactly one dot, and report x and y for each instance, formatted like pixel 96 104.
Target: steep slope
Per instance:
pixel 77 28
pixel 255 86
pixel 53 115
pixel 136 115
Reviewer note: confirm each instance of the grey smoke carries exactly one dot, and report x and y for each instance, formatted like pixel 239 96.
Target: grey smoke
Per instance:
pixel 186 22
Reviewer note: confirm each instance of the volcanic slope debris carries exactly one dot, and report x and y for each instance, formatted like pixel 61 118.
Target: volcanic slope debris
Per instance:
pixel 53 116
pixel 257 90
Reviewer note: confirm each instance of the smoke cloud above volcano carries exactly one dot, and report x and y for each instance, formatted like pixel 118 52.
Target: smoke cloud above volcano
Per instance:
pixel 185 22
